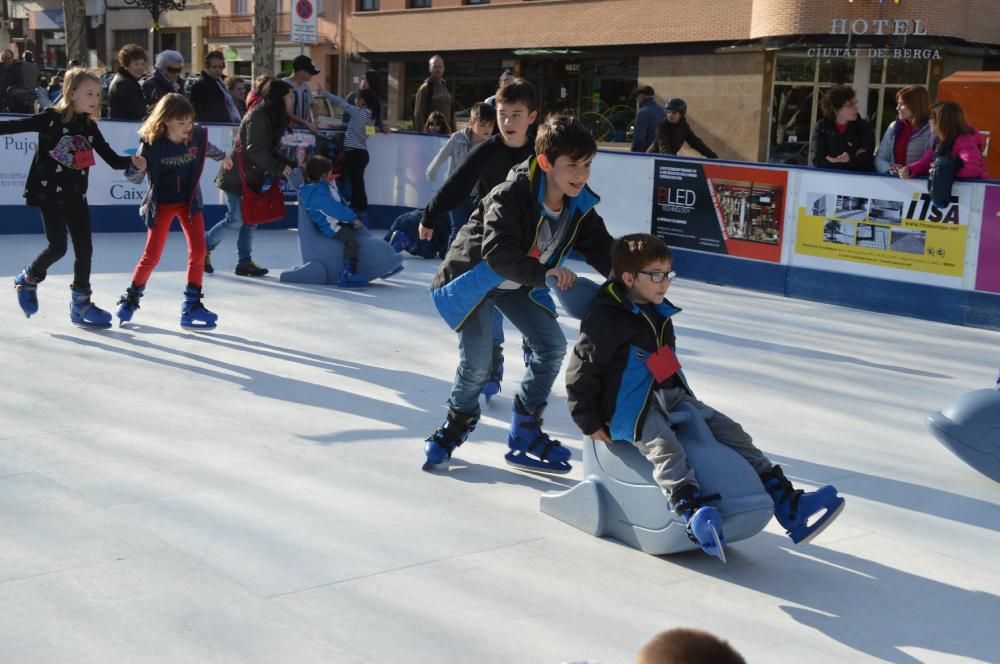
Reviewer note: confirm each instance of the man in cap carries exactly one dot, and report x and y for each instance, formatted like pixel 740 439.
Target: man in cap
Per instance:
pixel 648 114
pixel 303 70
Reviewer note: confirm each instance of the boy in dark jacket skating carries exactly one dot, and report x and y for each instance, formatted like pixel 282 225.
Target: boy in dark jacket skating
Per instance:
pixel 519 236
pixel 624 378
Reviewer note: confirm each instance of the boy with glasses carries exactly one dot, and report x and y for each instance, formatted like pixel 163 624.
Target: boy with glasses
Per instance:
pixel 624 378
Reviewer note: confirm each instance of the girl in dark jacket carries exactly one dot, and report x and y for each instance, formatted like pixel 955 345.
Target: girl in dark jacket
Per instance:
pixel 674 131
pixel 841 139
pixel 175 150
pixel 259 140
pixel 57 184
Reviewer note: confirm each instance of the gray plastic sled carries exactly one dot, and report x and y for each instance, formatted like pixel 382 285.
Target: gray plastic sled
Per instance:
pixel 970 427
pixel 323 258
pixel 619 499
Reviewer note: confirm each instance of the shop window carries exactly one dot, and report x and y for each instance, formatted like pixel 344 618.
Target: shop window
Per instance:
pixel 792 117
pixel 177 40
pixel 123 37
pixel 839 71
pixel 367 5
pixel 903 71
pixel 795 69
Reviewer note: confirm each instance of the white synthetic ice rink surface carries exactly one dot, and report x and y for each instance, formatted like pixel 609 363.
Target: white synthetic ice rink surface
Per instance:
pixel 255 495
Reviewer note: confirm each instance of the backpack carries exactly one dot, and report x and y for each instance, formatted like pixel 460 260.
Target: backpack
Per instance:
pixel 19 99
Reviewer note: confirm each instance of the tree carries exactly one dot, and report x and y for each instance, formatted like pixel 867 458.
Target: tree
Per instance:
pixel 75 13
pixel 264 25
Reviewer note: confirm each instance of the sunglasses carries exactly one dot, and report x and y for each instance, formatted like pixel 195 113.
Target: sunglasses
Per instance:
pixel 657 277
pixel 174 70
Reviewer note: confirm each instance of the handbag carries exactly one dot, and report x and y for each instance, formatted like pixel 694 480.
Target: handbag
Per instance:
pixel 259 207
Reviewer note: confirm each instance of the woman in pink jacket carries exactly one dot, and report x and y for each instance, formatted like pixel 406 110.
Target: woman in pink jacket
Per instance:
pixel 952 135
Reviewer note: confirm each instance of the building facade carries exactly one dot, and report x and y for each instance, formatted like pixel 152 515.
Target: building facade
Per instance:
pixel 751 71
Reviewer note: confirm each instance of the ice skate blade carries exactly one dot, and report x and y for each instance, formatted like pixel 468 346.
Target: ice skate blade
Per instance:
pixel 92 326
pixel 198 328
pixel 720 550
pixel 429 467
pixel 536 466
pixel 819 526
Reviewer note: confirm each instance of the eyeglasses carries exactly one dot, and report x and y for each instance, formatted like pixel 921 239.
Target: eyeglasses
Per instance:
pixel 657 276
pixel 174 70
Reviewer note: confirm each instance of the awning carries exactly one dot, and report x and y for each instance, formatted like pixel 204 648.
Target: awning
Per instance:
pixel 53 19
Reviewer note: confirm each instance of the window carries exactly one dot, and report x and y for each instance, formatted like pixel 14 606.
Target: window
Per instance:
pixel 475 2
pixel 123 37
pixel 240 7
pixel 367 5
pixel 418 4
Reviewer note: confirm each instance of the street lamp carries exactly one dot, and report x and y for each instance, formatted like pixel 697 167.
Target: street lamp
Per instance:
pixel 157 7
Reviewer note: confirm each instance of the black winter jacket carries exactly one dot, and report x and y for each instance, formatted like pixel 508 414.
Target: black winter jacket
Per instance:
pixel 671 137
pixel 125 98
pixel 858 142
pixel 209 100
pixel 616 337
pixel 494 246
pixel 58 175
pixel 260 138
pixel 486 166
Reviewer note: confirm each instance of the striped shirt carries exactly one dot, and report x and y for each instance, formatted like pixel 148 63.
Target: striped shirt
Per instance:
pixel 355 135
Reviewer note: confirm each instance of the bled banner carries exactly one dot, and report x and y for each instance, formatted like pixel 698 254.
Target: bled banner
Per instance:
pixel 875 225
pixel 988 274
pixel 106 186
pixel 724 209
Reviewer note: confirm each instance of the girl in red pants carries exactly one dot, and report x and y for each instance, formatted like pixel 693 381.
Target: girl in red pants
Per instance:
pixel 175 150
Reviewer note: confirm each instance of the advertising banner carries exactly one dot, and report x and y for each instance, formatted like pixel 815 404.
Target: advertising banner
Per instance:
pixel 988 275
pixel 881 223
pixel 724 209
pixel 106 186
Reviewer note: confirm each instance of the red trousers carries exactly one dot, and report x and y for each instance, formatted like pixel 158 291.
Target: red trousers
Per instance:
pixel 156 238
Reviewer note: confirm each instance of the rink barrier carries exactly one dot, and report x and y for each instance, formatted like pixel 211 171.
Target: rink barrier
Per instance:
pixel 798 263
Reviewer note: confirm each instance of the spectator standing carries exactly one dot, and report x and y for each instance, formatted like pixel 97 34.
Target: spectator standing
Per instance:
pixel 842 140
pixel 673 132
pixel 29 71
pixel 125 94
pixel 238 91
pixel 10 72
pixel 166 77
pixel 432 95
pixel 209 95
pixel 908 136
pixel 437 124
pixel 506 78
pixel 303 70
pixel 648 116
pixel 953 135
pixel 254 97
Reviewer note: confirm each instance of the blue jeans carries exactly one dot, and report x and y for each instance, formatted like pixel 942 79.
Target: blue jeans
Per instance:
pixel 232 221
pixel 460 217
pixel 475 350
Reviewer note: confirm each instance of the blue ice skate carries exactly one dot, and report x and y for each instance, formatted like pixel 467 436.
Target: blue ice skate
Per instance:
pixel 704 523
pixel 27 293
pixel 194 315
pixel 793 507
pixel 530 447
pixel 349 277
pixel 442 443
pixel 129 303
pixel 85 313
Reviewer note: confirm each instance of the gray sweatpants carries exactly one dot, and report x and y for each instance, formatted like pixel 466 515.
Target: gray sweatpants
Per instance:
pixel 660 445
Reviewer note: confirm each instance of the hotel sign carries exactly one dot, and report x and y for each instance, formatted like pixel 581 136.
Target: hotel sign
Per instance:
pixel 900 27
